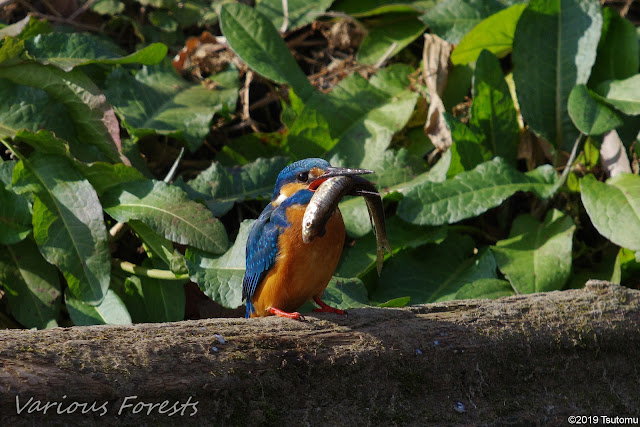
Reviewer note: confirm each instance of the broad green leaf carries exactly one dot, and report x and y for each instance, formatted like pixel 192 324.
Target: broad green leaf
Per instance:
pixel 160 247
pixel 361 8
pixel 15 210
pixel 438 173
pixel 68 223
pixel 31 284
pixel 492 110
pixel 93 118
pixel 220 187
pixel 157 100
pixel 169 212
pixel 618 57
pixel 453 19
pixel 494 33
pixel 399 28
pixel 360 257
pixel 27 27
pixel 164 300
pixel 108 7
pixel 590 114
pixel 101 175
pixel 221 278
pixel 364 130
pixel 560 37
pixel 622 94
pixel 256 41
pixel 485 288
pixel 434 272
pixel 69 50
pixel 458 86
pixel 345 293
pixel 539 259
pixel 29 108
pixel 471 193
pixel 299 12
pixel 468 150
pixel 363 116
pixel 111 311
pixel 614 208
pixel 104 176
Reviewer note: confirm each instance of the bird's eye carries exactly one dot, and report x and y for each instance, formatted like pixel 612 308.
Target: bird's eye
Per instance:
pixel 303 176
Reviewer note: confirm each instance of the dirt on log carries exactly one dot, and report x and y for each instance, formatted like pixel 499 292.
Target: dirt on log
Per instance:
pixel 527 359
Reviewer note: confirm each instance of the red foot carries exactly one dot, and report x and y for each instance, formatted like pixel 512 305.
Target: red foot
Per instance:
pixel 324 308
pixel 295 315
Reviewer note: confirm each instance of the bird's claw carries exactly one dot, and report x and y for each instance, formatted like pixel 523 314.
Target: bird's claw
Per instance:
pixel 281 313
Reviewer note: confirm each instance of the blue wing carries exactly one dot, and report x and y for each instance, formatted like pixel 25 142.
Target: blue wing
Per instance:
pixel 262 243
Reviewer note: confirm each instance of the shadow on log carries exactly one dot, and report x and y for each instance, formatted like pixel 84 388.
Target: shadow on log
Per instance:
pixel 527 359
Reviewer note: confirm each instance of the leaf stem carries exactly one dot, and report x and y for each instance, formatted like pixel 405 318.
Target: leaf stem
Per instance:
pixel 567 169
pixel 147 272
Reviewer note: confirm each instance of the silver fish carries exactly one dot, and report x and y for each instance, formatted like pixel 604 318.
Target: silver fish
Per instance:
pixel 323 204
pixel 325 201
pixel 368 190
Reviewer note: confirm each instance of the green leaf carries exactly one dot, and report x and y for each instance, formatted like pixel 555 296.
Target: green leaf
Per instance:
pixel 614 208
pixel 299 12
pixel 93 119
pixel 221 187
pixel 160 247
pixel 108 7
pixel 485 288
pixel 157 100
pixel 434 272
pixel 622 94
pixel 363 117
pixel 453 19
pixel 589 113
pixel 28 108
pixel 539 259
pixel 345 293
pixel 399 28
pixel 104 176
pixel 618 56
pixel 68 224
pixel 164 300
pixel 221 278
pixel 376 112
pixel 472 193
pixel 494 33
pixel 396 302
pixel 492 110
pixel 168 211
pixel 15 210
pixel 361 8
pixel 359 258
pixel 561 38
pixel 256 41
pixel 32 285
pixel 111 311
pixel 27 27
pixel 69 50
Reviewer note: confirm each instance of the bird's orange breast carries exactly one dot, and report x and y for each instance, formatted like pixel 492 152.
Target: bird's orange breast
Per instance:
pixel 302 270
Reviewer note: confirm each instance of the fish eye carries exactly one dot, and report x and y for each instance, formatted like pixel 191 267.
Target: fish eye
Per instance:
pixel 303 176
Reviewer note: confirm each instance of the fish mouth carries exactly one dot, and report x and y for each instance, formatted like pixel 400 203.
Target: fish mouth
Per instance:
pixel 331 171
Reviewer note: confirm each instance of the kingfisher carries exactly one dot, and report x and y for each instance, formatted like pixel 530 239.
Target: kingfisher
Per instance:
pixel 283 272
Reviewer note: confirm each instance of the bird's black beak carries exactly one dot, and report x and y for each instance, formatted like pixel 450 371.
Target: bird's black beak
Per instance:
pixel 331 171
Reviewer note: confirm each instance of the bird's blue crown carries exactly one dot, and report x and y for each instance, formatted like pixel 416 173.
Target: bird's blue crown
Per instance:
pixel 290 173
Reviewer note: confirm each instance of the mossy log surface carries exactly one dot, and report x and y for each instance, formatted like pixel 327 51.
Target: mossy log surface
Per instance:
pixel 526 359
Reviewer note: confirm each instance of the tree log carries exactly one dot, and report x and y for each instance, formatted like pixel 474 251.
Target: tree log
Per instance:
pixel 535 358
